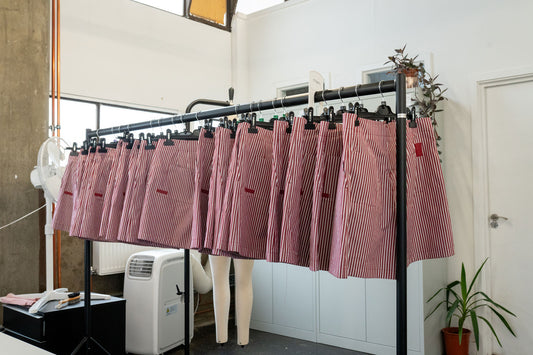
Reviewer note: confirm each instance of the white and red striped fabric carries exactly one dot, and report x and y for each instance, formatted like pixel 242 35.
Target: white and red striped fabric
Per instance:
pixel 328 160
pixel 121 146
pixel 166 217
pixel 280 159
pixel 429 228
pixel 251 194
pixel 81 193
pixel 364 232
pixel 94 202
pixel 202 176
pixel 217 186
pixel 136 196
pixel 119 192
pixel 64 204
pixel 135 159
pixel 298 196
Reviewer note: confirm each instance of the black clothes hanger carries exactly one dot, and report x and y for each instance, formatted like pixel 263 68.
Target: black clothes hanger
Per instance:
pixel 411 116
pixel 310 119
pixel 253 129
pixel 332 118
pixel 102 144
pixel 92 145
pixel 168 140
pixel 131 140
pixel 208 129
pixel 149 142
pixel 74 148
pixel 141 138
pixel 85 150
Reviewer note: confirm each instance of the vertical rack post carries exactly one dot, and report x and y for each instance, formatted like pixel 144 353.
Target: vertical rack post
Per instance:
pixel 87 296
pixel 401 216
pixel 187 268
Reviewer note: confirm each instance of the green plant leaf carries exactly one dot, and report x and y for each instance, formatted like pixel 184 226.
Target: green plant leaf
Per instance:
pixel 435 295
pixel 488 299
pixel 451 310
pixel 463 281
pixel 504 321
pixel 492 329
pixel 461 322
pixel 434 309
pixel 475 327
pixel 476 275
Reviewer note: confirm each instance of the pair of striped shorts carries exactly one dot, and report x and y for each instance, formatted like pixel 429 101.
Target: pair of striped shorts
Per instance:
pixel 217 187
pixel 364 225
pixel 245 212
pixel 280 160
pixel 94 197
pixel 134 198
pixel 81 192
pixel 121 146
pixel 298 196
pixel 202 176
pixel 166 218
pixel 64 205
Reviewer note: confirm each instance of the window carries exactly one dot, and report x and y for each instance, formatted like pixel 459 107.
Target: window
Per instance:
pixel 78 115
pixel 172 6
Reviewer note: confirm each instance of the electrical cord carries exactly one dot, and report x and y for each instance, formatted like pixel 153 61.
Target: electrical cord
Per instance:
pixel 197 304
pixel 21 218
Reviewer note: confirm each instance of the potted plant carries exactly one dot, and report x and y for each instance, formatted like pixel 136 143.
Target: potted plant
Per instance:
pixel 403 64
pixel 465 303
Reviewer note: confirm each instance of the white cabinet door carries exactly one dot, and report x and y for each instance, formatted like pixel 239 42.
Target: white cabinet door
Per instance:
pixel 341 307
pixel 262 308
pixel 381 309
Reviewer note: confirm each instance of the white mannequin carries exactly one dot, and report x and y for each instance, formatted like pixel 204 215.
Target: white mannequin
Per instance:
pixel 220 266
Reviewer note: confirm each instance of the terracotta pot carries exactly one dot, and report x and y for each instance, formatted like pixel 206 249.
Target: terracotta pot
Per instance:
pixel 411 77
pixel 451 341
pixel 411 72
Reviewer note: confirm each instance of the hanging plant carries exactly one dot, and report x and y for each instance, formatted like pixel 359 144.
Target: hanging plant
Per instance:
pixel 429 94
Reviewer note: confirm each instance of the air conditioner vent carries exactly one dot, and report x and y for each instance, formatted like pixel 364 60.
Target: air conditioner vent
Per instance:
pixel 141 266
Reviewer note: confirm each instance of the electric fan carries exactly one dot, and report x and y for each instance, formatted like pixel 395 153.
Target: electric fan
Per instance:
pixel 51 163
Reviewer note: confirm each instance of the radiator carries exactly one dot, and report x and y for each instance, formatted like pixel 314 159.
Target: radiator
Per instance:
pixel 111 258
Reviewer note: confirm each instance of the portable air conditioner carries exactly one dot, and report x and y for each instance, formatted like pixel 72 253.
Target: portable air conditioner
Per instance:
pixel 153 286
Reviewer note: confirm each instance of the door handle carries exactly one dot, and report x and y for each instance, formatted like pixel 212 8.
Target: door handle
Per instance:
pixel 493 220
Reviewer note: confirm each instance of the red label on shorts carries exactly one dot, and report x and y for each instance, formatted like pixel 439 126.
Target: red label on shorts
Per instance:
pixel 325 195
pixel 68 193
pixel 98 195
pixel 204 191
pixel 418 149
pixel 250 191
pixel 162 191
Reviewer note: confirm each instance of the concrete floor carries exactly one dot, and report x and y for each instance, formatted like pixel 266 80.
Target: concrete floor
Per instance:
pixel 260 343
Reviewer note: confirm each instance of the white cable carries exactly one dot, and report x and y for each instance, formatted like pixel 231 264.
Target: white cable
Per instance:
pixel 21 218
pixel 197 304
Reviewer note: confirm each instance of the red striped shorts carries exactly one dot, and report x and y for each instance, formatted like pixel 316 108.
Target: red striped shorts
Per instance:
pixel 133 166
pixel 80 196
pixel 298 197
pixel 280 155
pixel 136 193
pixel 328 160
pixel 94 202
pixel 217 186
pixel 364 232
pixel 202 176
pixel 64 205
pixel 119 193
pixel 166 217
pixel 248 189
pixel 109 190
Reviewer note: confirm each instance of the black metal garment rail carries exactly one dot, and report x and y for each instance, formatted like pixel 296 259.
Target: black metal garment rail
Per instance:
pixel 397 85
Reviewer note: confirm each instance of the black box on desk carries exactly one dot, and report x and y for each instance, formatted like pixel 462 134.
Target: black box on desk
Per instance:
pixel 60 330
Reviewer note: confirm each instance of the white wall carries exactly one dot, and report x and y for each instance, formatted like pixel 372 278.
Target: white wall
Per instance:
pixel 338 37
pixel 124 51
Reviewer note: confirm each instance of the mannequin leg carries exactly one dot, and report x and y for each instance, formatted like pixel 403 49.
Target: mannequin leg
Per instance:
pixel 243 298
pixel 221 295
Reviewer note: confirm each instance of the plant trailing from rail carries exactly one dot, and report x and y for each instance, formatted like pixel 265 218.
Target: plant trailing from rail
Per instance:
pixel 466 303
pixel 429 94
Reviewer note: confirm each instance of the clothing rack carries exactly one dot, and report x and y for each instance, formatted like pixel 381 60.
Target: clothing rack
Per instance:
pixel 397 85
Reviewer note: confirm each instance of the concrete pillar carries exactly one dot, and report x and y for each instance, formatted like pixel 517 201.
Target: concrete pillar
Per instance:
pixel 24 90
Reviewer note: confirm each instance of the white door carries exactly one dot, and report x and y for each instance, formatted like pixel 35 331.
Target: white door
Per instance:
pixel 510 187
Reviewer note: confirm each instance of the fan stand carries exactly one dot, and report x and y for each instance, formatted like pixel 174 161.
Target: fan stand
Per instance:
pixel 49 240
pixel 88 340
